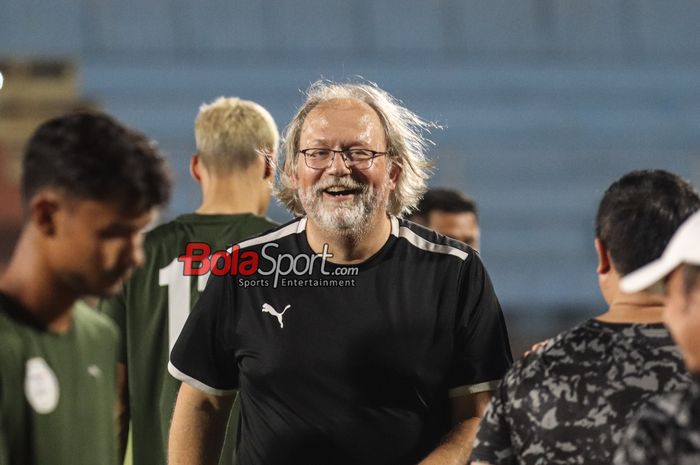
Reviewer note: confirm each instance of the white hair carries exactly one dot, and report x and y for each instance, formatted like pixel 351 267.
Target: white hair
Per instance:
pixel 403 129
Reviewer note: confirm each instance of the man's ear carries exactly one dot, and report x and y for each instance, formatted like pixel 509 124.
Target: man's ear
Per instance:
pixel 394 173
pixel 42 210
pixel 269 170
pixel 195 168
pixel 603 257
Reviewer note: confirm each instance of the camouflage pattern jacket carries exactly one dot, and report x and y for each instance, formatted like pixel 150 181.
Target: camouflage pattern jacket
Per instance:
pixel 667 432
pixel 569 402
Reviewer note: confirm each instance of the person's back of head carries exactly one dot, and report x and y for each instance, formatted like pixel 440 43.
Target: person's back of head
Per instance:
pixel 677 275
pixel 231 134
pixel 449 212
pixel 443 199
pixel 236 153
pixel 639 214
pixel 90 156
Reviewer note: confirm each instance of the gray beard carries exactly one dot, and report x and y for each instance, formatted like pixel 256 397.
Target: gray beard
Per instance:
pixel 346 219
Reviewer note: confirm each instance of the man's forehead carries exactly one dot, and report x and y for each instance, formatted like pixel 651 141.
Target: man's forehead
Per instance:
pixel 335 113
pixel 342 104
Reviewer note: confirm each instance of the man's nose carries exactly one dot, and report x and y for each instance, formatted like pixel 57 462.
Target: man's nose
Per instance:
pixel 338 165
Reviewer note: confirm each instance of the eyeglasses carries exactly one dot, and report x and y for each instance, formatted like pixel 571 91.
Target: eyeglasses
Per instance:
pixel 360 159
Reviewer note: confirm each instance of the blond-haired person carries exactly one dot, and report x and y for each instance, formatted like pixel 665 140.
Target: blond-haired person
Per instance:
pixel 236 144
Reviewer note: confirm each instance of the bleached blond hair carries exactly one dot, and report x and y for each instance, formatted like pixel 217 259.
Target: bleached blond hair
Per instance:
pixel 403 129
pixel 231 133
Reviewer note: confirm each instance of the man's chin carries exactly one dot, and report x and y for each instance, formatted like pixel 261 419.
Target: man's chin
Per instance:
pixel 340 224
pixel 110 286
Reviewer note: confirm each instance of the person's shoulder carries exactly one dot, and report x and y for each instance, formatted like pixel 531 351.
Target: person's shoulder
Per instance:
pixel 13 337
pixel 666 417
pixel 94 323
pixel 275 234
pixel 263 223
pixel 167 239
pixel 164 230
pixel 13 320
pixel 429 241
pixel 549 355
pixel 672 407
pixel 9 330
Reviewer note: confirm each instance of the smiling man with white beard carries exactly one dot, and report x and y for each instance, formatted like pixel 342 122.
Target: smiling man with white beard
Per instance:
pixel 393 369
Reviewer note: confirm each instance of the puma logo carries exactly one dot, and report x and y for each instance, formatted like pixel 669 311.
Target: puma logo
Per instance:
pixel 267 308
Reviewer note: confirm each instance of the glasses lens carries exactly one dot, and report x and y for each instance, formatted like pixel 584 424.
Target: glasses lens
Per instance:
pixel 360 159
pixel 317 158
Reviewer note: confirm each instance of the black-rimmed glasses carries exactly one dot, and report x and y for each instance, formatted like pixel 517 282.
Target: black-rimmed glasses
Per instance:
pixel 360 159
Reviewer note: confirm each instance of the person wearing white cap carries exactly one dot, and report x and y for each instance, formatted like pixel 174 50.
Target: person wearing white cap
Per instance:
pixel 570 401
pixel 668 432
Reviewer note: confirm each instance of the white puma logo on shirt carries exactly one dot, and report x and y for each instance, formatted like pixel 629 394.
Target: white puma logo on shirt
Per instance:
pixel 271 310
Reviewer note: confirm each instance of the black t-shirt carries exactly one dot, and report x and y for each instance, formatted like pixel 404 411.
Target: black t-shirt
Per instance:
pixel 345 364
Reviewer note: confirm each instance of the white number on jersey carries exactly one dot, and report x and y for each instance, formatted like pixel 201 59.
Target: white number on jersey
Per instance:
pixel 179 306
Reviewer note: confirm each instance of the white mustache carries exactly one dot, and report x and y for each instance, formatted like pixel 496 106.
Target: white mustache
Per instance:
pixel 346 183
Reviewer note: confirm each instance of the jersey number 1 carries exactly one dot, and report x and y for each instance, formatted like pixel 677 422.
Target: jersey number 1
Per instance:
pixel 179 292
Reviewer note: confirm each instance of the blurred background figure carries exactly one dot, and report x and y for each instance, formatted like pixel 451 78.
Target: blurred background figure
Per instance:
pixel 89 188
pixel 666 433
pixel 234 163
pixel 449 212
pixel 569 401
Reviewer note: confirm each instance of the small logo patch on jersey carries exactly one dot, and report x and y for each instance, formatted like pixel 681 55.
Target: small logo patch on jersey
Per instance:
pixel 267 308
pixel 41 386
pixel 94 371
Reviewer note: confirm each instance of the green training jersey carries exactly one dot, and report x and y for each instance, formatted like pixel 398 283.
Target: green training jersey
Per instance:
pixel 57 391
pixel 150 313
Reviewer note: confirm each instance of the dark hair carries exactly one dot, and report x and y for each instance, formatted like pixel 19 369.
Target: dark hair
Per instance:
pixel 446 200
pixel 90 155
pixel 691 276
pixel 639 213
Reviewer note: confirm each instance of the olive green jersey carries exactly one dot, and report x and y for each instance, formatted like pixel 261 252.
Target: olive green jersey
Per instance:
pixel 57 391
pixel 150 313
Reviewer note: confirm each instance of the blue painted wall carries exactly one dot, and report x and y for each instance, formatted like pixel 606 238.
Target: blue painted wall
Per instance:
pixel 543 102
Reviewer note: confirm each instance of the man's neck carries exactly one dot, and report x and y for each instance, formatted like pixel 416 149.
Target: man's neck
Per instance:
pixel 232 194
pixel 31 283
pixel 350 249
pixel 642 307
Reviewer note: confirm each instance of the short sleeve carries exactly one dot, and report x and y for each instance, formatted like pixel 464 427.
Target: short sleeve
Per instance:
pixel 115 308
pixel 493 441
pixel 201 357
pixel 482 351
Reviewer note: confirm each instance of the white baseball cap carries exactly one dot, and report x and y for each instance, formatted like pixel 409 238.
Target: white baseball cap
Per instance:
pixel 684 247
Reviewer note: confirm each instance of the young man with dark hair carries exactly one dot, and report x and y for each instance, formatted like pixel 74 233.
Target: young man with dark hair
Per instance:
pixel 569 401
pixel 236 144
pixel 89 187
pixel 667 431
pixel 449 212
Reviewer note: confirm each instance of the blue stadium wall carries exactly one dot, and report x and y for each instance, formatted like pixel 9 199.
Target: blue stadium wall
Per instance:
pixel 543 102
